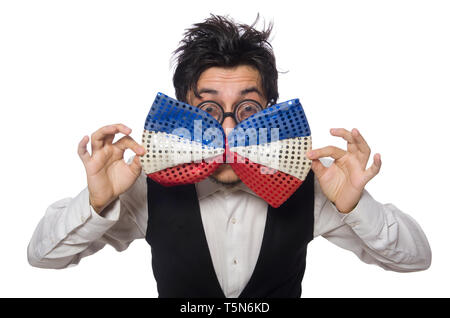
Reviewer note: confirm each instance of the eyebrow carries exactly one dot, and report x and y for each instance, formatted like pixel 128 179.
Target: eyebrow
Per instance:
pixel 252 89
pixel 244 92
pixel 207 91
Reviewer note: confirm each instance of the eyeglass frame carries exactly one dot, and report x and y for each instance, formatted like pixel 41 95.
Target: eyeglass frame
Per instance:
pixel 233 114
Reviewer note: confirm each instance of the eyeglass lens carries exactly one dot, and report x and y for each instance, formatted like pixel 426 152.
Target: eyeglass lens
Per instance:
pixel 243 110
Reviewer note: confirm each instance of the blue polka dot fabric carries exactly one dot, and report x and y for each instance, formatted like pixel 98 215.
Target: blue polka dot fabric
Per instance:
pixel 167 114
pixel 288 118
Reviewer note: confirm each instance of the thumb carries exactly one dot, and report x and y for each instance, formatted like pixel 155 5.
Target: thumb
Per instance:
pixel 135 165
pixel 318 168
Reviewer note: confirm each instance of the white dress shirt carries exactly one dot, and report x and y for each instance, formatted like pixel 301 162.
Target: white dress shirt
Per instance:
pixel 233 220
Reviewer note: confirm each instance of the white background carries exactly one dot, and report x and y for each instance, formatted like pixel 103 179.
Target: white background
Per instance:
pixel 70 67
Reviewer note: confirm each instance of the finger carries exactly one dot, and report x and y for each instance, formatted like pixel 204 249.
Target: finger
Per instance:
pixel 374 168
pixel 135 165
pixel 343 133
pixel 318 168
pixel 329 151
pixel 360 142
pixel 106 135
pixel 82 150
pixel 127 142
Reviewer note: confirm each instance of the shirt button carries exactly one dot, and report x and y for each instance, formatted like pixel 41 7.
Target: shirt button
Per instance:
pixel 233 220
pixel 234 261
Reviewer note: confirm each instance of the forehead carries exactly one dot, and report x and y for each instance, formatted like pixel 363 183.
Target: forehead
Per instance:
pixel 221 78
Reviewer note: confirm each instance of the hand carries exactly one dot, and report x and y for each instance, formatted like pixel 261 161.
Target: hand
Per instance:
pixel 108 175
pixel 344 181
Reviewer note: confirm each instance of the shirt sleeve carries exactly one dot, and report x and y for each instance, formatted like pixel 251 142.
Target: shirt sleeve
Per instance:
pixel 71 229
pixel 377 233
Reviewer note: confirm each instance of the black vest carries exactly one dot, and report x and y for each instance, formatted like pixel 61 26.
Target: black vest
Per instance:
pixel 181 262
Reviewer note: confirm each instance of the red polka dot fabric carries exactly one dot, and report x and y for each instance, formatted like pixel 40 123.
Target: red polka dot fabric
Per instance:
pixel 185 173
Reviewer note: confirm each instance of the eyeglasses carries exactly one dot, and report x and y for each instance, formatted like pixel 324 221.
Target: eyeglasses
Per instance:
pixel 242 111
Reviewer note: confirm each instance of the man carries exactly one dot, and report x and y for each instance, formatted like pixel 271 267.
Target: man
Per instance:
pixel 217 238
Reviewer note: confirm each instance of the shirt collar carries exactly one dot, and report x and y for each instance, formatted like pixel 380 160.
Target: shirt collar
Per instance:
pixel 208 187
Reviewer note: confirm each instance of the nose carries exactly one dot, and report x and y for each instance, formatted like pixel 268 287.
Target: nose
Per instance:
pixel 228 124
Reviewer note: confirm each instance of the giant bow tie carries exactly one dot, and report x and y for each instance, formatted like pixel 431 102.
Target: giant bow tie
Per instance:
pixel 267 150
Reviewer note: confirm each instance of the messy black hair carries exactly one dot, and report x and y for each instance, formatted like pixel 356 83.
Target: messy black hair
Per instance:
pixel 219 41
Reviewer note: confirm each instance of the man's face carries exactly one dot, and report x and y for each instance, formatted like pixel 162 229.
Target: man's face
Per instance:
pixel 227 87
